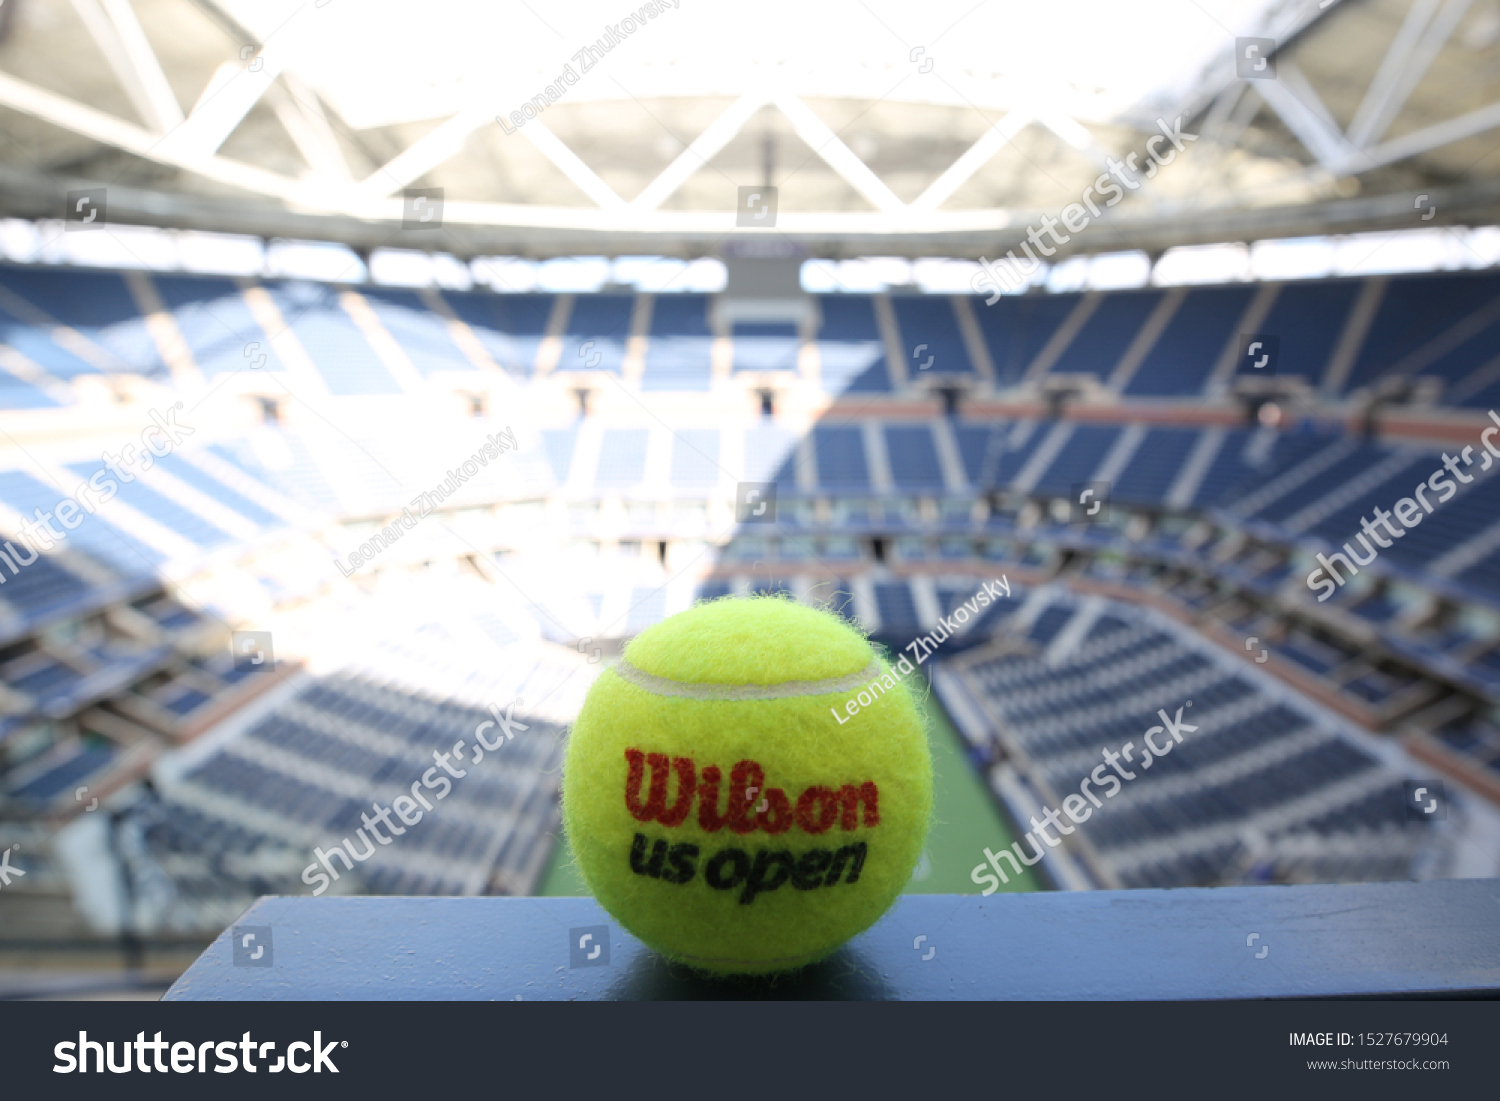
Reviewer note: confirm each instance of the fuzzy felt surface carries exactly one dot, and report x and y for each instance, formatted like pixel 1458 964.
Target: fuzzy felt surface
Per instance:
pixel 749 640
pixel 747 835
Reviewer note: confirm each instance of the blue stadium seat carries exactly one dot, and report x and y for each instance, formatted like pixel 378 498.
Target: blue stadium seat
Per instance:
pixel 422 334
pixel 216 324
pixel 1413 310
pixel 1359 459
pixel 165 511
pixel 185 471
pixel 1183 356
pixel 849 346
pixel 1234 465
pixel 594 339
pixel 979 449
pixel 679 353
pixel 765 346
pixel 1251 758
pixel 1154 466
pixel 557 446
pixel 1017 445
pixel 18 394
pixel 1471 355
pixel 96 535
pixel 929 330
pixel 1308 318
pixel 1097 347
pixel 97 304
pixel 1343 522
pixel 771 456
pixel 1017 327
pixel 337 348
pixel 898 611
pixel 34 341
pixel 1049 623
pixel 65 775
pixel 303 479
pixel 622 458
pixel 1084 451
pixel 40 587
pixel 695 458
pixel 1474 508
pixel 510 326
pixel 1484 574
pixel 839 452
pixel 913 457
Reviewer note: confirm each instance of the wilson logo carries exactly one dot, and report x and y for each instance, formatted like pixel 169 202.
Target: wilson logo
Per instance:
pixel 749 805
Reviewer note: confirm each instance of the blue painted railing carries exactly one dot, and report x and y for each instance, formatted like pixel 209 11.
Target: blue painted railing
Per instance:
pixel 1319 940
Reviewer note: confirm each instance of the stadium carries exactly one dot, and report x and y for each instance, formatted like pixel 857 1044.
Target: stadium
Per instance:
pixel 370 377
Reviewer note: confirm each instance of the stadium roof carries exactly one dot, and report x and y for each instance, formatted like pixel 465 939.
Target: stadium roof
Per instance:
pixel 889 129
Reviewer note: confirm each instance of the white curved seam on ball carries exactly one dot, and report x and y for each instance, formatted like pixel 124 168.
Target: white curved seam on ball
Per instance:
pixel 662 686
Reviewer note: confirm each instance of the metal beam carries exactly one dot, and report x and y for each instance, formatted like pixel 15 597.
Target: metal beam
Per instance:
pixel 117 32
pixel 165 108
pixel 426 153
pixel 704 148
pixel 572 166
pixel 828 145
pixel 238 87
pixel 1286 24
pixel 586 230
pixel 109 130
pixel 1068 128
pixel 301 114
pixel 1432 137
pixel 547 229
pixel 1293 99
pixel 1407 69
pixel 1396 58
pixel 972 159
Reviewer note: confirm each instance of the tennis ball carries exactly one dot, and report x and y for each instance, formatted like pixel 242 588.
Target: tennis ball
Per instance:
pixel 723 803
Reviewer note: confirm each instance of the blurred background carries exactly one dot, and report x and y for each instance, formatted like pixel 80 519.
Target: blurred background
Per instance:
pixel 369 374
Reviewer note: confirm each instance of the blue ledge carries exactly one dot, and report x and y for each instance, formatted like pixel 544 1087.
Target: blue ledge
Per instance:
pixel 1319 940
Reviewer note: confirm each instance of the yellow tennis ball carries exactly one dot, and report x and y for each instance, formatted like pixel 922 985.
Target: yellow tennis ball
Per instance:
pixel 728 804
